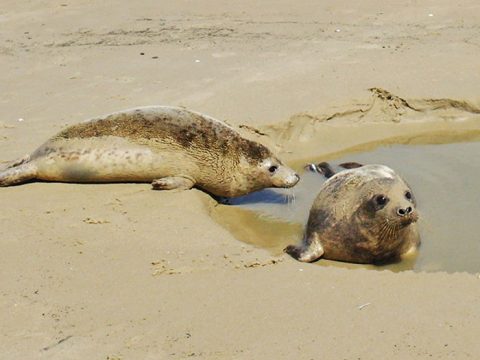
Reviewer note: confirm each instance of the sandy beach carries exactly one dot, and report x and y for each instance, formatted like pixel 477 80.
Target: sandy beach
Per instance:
pixel 118 271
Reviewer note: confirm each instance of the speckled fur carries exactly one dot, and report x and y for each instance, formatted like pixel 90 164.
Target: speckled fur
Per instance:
pixel 150 143
pixel 184 128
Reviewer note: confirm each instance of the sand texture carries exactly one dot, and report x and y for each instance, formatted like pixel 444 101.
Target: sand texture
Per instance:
pixel 117 271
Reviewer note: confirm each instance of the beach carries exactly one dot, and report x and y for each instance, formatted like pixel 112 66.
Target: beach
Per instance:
pixel 118 271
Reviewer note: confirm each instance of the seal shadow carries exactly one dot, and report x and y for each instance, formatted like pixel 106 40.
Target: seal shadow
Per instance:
pixel 265 196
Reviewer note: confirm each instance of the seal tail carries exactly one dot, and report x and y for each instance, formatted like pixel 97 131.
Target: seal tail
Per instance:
pixel 18 172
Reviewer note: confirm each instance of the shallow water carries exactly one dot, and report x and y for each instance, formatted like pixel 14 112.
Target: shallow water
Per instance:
pixel 444 178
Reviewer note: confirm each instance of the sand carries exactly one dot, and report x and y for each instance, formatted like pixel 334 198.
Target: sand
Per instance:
pixel 122 272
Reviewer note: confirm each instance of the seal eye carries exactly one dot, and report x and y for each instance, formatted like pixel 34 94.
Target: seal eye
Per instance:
pixel 408 195
pixel 273 168
pixel 381 200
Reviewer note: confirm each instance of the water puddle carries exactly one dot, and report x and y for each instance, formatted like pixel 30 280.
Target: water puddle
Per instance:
pixel 446 182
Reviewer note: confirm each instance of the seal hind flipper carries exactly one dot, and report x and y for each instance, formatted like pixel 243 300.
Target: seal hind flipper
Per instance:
pixel 350 165
pixel 18 173
pixel 325 169
pixel 173 183
pixel 312 168
pixel 309 251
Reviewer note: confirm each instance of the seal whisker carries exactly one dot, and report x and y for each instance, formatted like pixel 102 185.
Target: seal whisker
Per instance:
pixel 292 198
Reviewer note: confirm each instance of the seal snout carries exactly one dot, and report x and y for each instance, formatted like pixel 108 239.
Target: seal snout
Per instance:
pixel 407 215
pixel 404 211
pixel 297 177
pixel 292 180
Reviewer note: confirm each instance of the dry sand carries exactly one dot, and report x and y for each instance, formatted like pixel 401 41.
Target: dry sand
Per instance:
pixel 121 272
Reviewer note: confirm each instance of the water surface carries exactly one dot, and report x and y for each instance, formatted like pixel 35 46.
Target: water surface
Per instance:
pixel 444 178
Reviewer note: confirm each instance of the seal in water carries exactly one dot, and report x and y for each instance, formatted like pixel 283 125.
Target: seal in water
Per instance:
pixel 171 147
pixel 365 214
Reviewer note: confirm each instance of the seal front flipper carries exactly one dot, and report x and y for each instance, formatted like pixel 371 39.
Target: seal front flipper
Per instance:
pixel 173 183
pixel 310 250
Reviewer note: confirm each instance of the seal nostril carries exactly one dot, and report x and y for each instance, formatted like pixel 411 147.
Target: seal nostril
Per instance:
pixel 406 211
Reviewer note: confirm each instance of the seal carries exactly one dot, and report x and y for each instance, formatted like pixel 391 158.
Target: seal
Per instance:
pixel 365 214
pixel 173 148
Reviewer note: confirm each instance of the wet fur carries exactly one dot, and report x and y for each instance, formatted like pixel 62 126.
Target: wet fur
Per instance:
pixel 343 222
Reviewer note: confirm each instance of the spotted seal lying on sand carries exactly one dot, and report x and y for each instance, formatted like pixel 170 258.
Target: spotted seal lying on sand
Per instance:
pixel 171 147
pixel 365 214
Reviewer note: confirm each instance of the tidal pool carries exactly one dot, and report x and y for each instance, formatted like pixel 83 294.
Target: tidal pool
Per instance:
pixel 444 178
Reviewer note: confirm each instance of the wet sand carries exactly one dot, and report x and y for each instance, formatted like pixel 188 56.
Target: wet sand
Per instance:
pixel 121 272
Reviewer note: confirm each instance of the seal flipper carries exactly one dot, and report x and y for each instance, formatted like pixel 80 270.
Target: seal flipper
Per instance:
pixel 350 165
pixel 323 168
pixel 327 170
pixel 310 250
pixel 18 173
pixel 173 183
